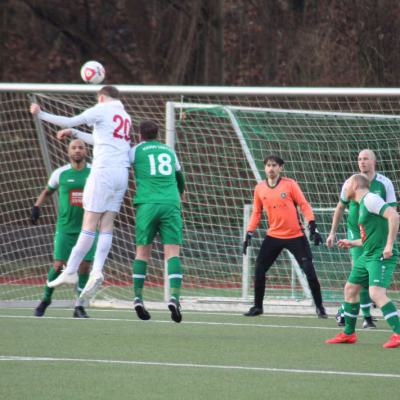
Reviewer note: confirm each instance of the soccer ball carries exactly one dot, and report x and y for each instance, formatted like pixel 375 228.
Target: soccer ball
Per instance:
pixel 93 72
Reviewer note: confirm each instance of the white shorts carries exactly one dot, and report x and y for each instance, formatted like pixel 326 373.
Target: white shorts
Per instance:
pixel 105 189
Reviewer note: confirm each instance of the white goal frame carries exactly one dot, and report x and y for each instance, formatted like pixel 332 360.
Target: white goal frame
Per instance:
pixel 183 91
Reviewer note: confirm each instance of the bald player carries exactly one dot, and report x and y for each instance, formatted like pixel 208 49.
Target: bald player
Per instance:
pixel 379 224
pixel 69 180
pixel 383 187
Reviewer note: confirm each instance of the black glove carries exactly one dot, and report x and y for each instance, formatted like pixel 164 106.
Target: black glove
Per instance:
pixel 314 234
pixel 247 241
pixel 35 214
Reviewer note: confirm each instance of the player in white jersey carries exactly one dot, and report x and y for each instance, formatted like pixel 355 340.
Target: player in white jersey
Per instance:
pixel 106 184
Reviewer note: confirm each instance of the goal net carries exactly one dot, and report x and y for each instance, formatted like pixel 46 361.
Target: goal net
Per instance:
pixel 221 138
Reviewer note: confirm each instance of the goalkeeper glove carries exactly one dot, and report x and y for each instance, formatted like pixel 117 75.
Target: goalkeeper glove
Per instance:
pixel 247 241
pixel 35 214
pixel 314 234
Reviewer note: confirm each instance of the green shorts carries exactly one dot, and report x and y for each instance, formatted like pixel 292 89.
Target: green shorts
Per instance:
pixel 63 244
pixel 373 271
pixel 164 219
pixel 355 253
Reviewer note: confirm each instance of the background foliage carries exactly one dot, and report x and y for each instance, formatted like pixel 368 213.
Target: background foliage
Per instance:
pixel 224 42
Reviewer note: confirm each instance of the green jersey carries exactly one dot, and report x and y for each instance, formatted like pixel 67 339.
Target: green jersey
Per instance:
pixel 155 165
pixel 70 183
pixel 374 227
pixel 381 186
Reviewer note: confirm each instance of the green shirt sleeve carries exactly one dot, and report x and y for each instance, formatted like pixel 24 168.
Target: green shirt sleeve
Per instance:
pixel 180 179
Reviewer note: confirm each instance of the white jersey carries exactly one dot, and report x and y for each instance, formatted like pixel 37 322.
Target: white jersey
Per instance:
pixel 111 132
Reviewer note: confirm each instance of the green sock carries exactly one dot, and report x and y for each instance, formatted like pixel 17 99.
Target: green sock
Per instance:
pixel 351 311
pixel 83 278
pixel 175 276
pixel 340 311
pixel 139 268
pixel 391 315
pixel 48 292
pixel 366 302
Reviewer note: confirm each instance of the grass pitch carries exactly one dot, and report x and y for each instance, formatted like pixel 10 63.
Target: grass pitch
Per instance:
pixel 220 356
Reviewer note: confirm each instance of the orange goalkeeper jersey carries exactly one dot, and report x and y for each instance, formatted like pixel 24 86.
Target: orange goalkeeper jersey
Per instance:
pixel 280 204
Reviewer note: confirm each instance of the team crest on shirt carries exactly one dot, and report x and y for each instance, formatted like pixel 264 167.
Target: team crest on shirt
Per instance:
pixel 283 195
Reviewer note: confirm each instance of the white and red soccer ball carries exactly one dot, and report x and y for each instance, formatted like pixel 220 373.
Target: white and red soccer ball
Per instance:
pixel 93 72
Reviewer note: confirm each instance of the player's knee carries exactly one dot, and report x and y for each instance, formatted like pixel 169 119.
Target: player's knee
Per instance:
pixel 143 252
pixel 351 292
pixel 259 275
pixel 171 250
pixel 378 295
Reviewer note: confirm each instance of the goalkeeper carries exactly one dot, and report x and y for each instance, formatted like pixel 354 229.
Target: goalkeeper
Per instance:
pixel 279 197
pixel 383 187
pixel 160 186
pixel 69 180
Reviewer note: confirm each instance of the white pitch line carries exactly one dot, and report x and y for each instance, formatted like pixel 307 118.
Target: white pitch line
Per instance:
pixel 153 321
pixel 205 366
pixel 187 312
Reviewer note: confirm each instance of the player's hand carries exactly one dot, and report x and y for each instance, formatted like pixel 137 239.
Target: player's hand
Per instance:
pixel 330 240
pixel 35 214
pixel 387 252
pixel 247 241
pixel 345 244
pixel 315 237
pixel 35 109
pixel 64 133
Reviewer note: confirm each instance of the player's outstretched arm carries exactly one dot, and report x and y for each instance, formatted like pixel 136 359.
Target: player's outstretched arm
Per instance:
pixel 35 212
pixel 348 244
pixel 337 216
pixel 64 122
pixel 76 134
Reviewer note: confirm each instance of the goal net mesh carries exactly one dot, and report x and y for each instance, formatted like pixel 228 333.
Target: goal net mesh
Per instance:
pixel 318 137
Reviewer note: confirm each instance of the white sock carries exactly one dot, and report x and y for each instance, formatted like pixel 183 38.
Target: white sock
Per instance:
pixel 80 302
pixel 82 246
pixel 103 248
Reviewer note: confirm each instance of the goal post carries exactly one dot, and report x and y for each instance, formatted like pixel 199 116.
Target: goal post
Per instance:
pixel 220 135
pixel 171 108
pixel 310 142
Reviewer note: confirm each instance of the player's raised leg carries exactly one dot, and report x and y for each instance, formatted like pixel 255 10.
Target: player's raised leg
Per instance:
pixel 83 245
pixel 84 269
pixel 54 271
